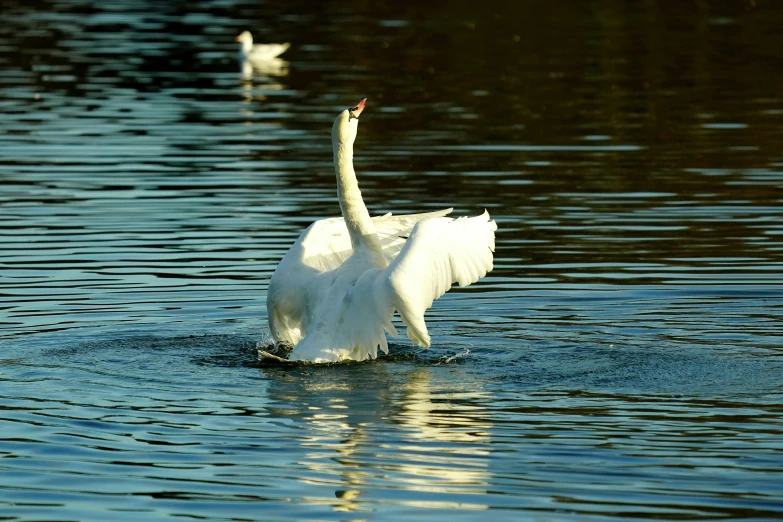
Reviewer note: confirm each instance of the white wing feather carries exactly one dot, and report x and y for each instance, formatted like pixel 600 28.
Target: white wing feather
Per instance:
pixel 438 253
pixel 325 245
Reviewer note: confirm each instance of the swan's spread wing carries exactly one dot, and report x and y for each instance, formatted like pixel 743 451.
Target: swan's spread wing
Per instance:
pixel 438 253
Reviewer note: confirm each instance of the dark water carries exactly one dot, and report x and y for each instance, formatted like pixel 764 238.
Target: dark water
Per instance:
pixel 624 359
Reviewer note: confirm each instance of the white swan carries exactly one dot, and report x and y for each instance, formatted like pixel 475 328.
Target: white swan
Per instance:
pixel 259 52
pixel 333 295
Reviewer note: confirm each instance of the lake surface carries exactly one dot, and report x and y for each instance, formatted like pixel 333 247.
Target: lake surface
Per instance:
pixel 623 360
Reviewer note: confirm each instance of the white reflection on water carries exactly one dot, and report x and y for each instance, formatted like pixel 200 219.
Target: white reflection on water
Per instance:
pixel 457 425
pixel 440 447
pixel 270 67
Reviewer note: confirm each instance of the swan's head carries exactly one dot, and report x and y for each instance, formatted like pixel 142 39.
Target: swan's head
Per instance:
pixel 347 123
pixel 245 38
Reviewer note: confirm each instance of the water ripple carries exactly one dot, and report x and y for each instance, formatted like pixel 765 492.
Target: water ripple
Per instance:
pixel 623 359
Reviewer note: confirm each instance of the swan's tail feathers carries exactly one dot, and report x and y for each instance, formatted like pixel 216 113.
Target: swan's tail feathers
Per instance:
pixel 284 47
pixel 312 350
pixel 357 325
pixel 328 346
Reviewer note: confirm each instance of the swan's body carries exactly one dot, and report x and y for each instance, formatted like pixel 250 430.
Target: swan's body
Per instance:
pixel 258 52
pixel 334 293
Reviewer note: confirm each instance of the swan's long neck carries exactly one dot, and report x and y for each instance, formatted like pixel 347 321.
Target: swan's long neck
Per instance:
pixel 357 218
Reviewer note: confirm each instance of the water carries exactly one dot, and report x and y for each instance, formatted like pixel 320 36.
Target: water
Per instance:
pixel 623 360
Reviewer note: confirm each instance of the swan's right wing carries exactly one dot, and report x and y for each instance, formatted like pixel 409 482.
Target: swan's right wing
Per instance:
pixel 439 252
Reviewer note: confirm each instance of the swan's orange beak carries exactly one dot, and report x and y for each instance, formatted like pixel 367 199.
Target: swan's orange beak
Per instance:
pixel 359 108
pixel 237 39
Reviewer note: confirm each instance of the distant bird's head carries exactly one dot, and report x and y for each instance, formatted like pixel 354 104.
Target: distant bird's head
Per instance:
pixel 244 38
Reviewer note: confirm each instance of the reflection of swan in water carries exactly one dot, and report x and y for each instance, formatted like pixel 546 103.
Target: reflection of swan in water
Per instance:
pixel 455 422
pixel 369 427
pixel 334 294
pixel 271 67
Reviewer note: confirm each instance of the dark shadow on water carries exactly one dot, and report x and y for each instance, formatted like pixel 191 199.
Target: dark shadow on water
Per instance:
pixel 225 351
pixel 643 370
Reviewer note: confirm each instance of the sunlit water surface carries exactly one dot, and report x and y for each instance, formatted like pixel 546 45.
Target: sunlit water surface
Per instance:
pixel 622 360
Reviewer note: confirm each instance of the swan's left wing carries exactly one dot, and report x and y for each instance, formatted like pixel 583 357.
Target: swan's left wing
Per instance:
pixel 324 246
pixel 439 252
